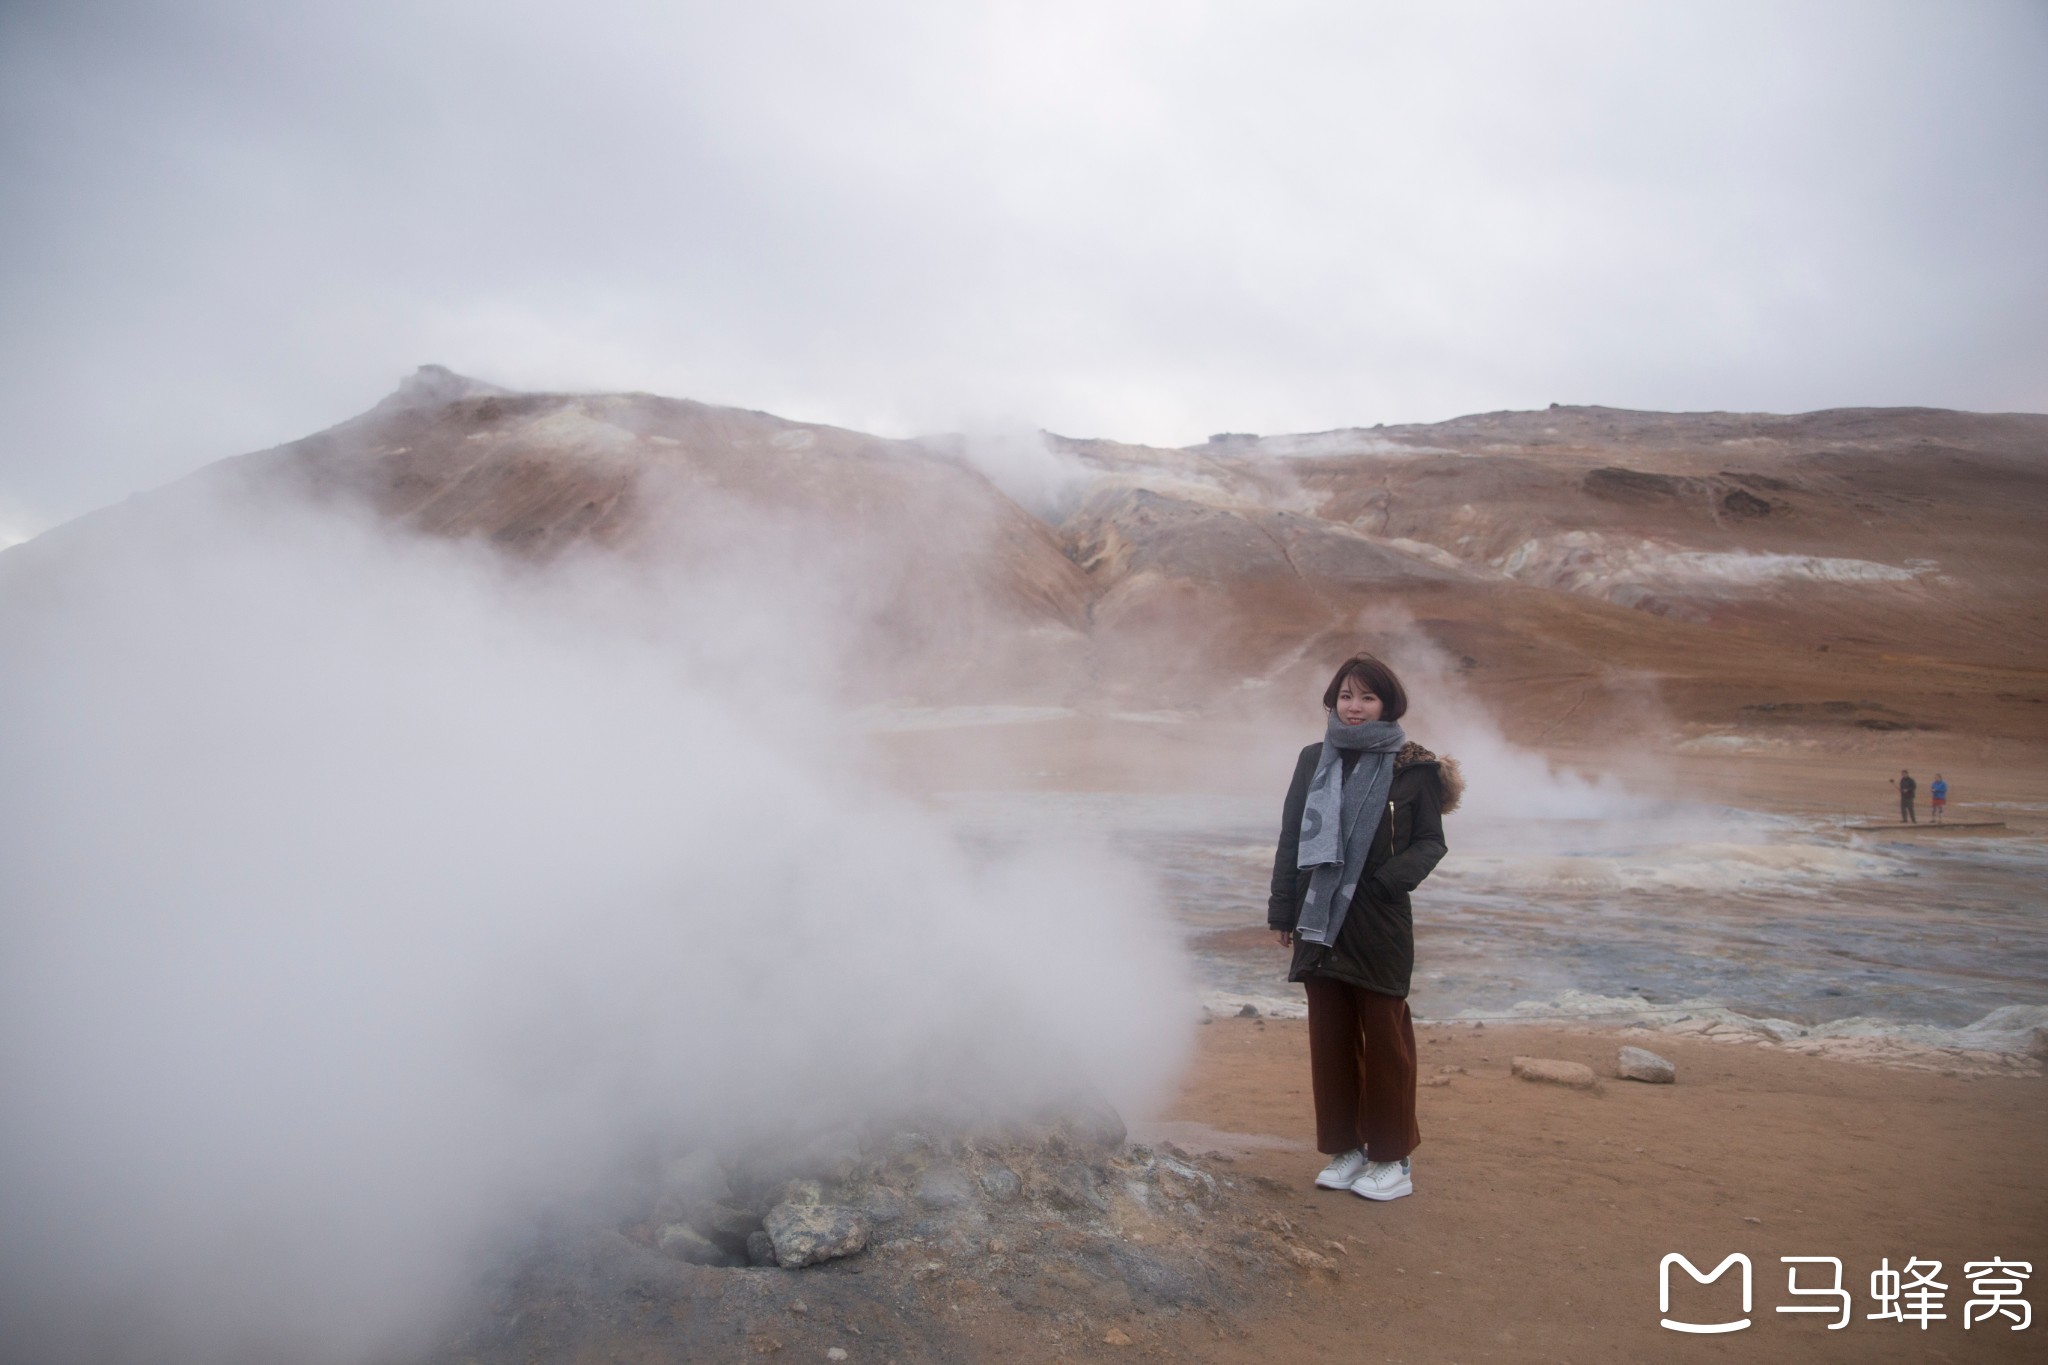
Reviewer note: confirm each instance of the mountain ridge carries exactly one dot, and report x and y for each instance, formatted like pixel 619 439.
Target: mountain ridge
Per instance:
pixel 1735 562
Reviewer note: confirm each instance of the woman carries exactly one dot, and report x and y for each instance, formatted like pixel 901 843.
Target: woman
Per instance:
pixel 1361 827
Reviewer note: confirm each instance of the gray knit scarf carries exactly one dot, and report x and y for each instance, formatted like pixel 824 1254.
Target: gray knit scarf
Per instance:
pixel 1334 839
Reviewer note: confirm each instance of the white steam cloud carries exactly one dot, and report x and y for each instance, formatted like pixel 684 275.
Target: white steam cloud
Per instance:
pixel 1032 472
pixel 1503 778
pixel 360 894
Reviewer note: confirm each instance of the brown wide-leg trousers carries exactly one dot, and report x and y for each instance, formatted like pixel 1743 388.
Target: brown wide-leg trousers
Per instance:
pixel 1361 1056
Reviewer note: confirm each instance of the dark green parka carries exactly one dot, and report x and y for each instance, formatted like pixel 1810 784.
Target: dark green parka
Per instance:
pixel 1375 948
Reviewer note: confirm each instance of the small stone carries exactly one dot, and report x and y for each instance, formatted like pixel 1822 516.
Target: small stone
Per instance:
pixel 1757 1221
pixel 800 1308
pixel 836 1353
pixel 1313 1261
pixel 1248 1012
pixel 1116 1336
pixel 805 1234
pixel 760 1248
pixel 1551 1071
pixel 1093 1122
pixel 1001 1182
pixel 1641 1064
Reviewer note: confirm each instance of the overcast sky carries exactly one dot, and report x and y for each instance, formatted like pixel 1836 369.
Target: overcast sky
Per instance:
pixel 230 224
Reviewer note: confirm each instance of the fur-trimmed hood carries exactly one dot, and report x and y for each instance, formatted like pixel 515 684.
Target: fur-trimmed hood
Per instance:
pixel 1450 779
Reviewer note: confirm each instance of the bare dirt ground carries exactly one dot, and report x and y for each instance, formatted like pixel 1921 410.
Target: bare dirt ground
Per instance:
pixel 1541 1213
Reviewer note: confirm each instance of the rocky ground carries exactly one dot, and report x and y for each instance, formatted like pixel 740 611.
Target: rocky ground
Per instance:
pixel 903 1245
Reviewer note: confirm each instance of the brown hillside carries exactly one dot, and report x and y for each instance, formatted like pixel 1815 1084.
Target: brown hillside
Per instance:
pixel 1585 571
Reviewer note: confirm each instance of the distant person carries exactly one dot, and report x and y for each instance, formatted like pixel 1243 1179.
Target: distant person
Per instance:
pixel 1907 786
pixel 1937 796
pixel 1360 828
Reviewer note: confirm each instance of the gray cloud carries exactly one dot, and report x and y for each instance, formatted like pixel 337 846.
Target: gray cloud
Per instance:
pixel 233 223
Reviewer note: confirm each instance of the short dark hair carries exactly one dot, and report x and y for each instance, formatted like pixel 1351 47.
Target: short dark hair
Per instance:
pixel 1374 673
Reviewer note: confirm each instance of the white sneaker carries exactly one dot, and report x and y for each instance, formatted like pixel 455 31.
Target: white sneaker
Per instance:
pixel 1383 1180
pixel 1342 1170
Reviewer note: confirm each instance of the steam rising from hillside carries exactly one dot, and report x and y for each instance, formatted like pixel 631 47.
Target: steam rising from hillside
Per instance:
pixel 1504 778
pixel 364 895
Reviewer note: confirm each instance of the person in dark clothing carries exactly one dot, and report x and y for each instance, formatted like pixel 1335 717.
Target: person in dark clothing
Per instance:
pixel 1360 828
pixel 1907 786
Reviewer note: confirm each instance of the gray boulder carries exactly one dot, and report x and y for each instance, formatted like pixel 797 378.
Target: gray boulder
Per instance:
pixel 805 1234
pixel 1001 1182
pixel 1641 1064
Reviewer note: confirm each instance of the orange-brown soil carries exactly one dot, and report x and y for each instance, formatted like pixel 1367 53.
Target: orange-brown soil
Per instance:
pixel 1541 1213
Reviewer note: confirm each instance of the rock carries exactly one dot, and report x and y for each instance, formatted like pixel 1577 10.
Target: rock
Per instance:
pixel 1641 1064
pixel 760 1248
pixel 1312 1261
pixel 882 1206
pixel 805 1234
pixel 1577 1075
pixel 1101 1128
pixel 1074 1187
pixel 685 1243
pixel 1248 1012
pixel 1116 1336
pixel 1001 1182
pixel 835 1353
pixel 1182 1181
pixel 944 1187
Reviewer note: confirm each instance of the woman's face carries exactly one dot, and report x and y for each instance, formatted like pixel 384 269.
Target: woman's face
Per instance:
pixel 1357 703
